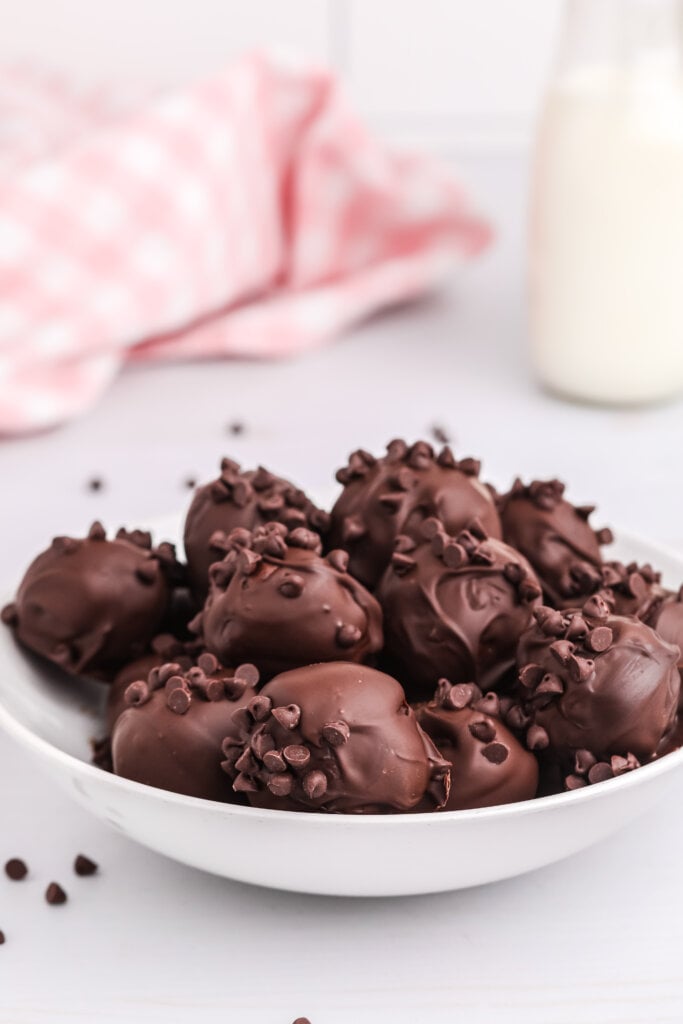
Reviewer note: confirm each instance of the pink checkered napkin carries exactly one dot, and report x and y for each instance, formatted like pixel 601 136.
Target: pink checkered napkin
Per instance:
pixel 248 214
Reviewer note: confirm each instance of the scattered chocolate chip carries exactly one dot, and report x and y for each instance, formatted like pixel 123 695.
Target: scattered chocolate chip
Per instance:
pixel 2 943
pixel 55 895
pixel 83 866
pixel 16 869
pixel 236 428
pixel 439 434
pixel 95 484
pixel 190 483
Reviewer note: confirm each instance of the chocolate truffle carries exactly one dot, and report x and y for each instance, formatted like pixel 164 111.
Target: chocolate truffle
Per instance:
pixel 455 607
pixel 170 734
pixel 335 737
pixel 246 499
pixel 277 602
pixel 90 605
pixel 556 538
pixel 489 764
pixel 598 682
pixel 385 497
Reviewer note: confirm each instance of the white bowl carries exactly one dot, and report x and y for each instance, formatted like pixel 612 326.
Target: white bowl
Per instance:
pixel 336 855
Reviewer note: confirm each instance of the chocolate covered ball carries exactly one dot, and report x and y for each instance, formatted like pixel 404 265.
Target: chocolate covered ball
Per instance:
pixel 240 498
pixel 455 607
pixel 90 605
pixel 597 682
pixel 489 764
pixel 335 737
pixel 170 734
pixel 277 602
pixel 556 538
pixel 393 495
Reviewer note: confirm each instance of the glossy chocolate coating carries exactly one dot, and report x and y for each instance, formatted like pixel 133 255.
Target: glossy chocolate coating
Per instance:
pixel 245 499
pixel 385 497
pixel 597 682
pixel 90 605
pixel 171 732
pixel 275 601
pixel 489 764
pixel 455 608
pixel 556 538
pixel 335 737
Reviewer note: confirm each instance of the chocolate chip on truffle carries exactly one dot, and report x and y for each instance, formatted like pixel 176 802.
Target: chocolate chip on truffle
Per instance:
pixel 459 613
pixel 173 740
pixel 91 604
pixel 556 538
pixel 240 499
pixel 277 602
pixel 615 697
pixel 348 741
pixel 391 496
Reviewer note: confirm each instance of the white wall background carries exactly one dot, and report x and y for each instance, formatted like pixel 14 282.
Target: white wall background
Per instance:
pixel 448 74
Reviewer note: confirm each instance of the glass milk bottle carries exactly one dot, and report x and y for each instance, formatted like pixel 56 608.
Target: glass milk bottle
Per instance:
pixel 606 257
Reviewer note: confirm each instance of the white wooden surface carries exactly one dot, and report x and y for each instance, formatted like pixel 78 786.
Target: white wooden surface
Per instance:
pixel 595 940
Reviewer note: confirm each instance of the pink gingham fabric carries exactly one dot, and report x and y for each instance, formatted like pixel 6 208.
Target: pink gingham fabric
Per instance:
pixel 248 214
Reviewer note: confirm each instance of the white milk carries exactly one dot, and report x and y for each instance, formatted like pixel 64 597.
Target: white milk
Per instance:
pixel 607 236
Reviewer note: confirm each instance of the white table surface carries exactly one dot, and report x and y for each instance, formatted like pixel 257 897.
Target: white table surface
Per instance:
pixel 594 939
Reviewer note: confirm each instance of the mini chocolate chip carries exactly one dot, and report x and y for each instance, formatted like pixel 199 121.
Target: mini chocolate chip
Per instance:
pixel 496 753
pixel 83 866
pixel 600 772
pixel 439 434
pixel 315 785
pixel 336 733
pixel 339 560
pixel 482 730
pixel 280 785
pixel 572 782
pixel 260 707
pixel 274 761
pixel 297 755
pixel 178 700
pixel 54 894
pixel 288 717
pixel 136 693
pixel 292 586
pixel 599 639
pixel 537 738
pixel 16 869
pixel 207 663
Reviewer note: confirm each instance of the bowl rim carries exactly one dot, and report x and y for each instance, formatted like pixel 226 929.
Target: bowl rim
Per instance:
pixel 28 739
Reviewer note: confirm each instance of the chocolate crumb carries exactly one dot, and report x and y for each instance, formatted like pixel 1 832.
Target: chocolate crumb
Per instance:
pixel 190 483
pixel 16 869
pixel 2 938
pixel 55 895
pixel 440 434
pixel 83 866
pixel 236 428
pixel 95 484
